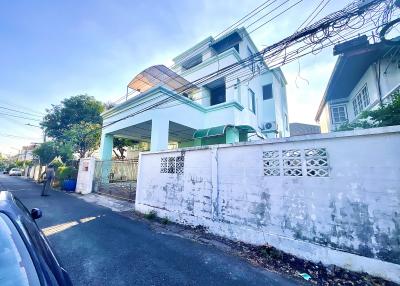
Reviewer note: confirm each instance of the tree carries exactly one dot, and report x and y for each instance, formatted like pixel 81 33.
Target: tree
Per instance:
pixel 84 137
pixel 74 110
pixel 385 115
pixel 46 152
pixel 120 144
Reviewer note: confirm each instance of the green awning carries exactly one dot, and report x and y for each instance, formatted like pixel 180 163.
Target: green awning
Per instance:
pixel 210 132
pixel 220 130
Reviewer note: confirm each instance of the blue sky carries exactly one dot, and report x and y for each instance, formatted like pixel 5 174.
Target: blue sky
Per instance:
pixel 55 49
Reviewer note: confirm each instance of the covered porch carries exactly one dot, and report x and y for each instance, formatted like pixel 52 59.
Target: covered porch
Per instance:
pixel 158 134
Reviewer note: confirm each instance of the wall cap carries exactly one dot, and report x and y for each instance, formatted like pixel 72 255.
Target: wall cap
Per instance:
pixel 333 135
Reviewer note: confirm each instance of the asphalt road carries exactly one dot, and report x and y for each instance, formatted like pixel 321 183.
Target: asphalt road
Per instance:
pixel 100 247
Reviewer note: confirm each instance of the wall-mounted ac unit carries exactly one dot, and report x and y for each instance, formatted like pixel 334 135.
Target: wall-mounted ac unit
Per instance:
pixel 269 126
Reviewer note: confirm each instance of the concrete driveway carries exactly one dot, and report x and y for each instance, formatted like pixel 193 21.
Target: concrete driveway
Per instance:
pixel 100 247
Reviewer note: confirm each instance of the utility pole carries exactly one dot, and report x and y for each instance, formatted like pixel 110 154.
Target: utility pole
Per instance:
pixel 44 131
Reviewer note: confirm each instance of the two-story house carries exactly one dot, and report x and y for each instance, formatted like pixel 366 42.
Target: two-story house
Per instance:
pixel 197 102
pixel 365 76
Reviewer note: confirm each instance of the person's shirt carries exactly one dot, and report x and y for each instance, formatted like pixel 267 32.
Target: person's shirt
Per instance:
pixel 49 173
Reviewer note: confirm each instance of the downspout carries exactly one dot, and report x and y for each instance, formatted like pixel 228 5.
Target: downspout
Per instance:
pixel 377 70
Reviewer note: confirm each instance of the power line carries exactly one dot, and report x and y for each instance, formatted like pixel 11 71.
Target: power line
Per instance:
pixel 246 17
pixel 309 16
pixel 324 27
pixel 23 107
pixel 17 137
pixel 17 116
pixel 273 18
pixel 18 111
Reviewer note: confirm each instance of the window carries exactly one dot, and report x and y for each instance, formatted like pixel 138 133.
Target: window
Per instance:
pixel 252 101
pixel 217 91
pixel 20 269
pixel 361 100
pixel 339 114
pixel 267 91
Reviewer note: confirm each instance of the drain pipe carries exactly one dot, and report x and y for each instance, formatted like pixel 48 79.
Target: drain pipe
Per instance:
pixel 377 71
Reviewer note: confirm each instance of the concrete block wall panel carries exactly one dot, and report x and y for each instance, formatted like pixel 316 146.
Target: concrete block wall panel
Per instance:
pixel 350 218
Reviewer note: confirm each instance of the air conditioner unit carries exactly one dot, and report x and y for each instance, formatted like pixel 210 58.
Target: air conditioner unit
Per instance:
pixel 269 127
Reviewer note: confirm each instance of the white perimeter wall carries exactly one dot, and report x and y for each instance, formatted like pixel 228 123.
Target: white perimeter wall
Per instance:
pixel 350 218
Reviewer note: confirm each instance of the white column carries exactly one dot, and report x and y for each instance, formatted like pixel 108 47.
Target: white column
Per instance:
pixel 159 134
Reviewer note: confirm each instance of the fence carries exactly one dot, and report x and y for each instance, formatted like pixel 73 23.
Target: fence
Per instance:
pixel 116 178
pixel 333 198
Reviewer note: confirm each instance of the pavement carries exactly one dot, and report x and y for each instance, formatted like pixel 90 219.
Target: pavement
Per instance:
pixel 99 246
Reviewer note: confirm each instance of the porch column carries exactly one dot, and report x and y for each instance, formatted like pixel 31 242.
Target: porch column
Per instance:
pixel 159 134
pixel 232 135
pixel 106 146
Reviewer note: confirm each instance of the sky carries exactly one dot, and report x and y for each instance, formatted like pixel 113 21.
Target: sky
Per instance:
pixel 50 50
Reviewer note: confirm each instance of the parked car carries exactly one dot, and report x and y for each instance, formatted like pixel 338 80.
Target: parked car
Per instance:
pixel 4 171
pixel 15 172
pixel 26 255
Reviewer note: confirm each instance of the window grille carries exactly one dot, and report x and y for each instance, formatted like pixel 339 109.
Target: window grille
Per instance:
pixel 317 162
pixel 292 163
pixel 311 162
pixel 271 163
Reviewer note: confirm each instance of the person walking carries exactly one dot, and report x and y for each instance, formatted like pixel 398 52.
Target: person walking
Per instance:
pixel 50 174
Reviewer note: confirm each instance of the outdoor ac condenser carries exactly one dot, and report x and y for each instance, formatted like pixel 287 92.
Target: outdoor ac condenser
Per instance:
pixel 268 127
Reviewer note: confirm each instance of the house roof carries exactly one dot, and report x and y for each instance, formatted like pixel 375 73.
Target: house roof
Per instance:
pixel 348 70
pixel 160 75
pixel 297 129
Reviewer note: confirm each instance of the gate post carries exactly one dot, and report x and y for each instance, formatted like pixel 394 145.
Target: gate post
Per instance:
pixel 84 182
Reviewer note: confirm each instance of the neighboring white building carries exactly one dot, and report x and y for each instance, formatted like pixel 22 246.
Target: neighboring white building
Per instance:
pixel 26 153
pixel 179 107
pixel 365 75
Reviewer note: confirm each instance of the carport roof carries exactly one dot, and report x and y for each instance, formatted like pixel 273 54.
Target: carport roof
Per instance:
pixel 160 75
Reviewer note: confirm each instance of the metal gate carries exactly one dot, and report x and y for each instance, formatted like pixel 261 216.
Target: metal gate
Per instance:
pixel 116 178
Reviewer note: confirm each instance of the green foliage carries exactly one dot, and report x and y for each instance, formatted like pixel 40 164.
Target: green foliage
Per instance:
pixel 65 173
pixel 386 115
pixel 71 111
pixel 151 215
pixel 120 145
pixel 84 137
pixel 65 151
pixel 48 151
pixel 165 220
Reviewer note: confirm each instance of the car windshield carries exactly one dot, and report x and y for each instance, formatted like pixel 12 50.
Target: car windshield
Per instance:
pixel 16 266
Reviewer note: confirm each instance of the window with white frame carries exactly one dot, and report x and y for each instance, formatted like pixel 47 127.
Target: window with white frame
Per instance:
pixel 339 114
pixel 252 101
pixel 361 100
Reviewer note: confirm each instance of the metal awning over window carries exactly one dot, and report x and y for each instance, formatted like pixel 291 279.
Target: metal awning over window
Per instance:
pixel 163 76
pixel 220 130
